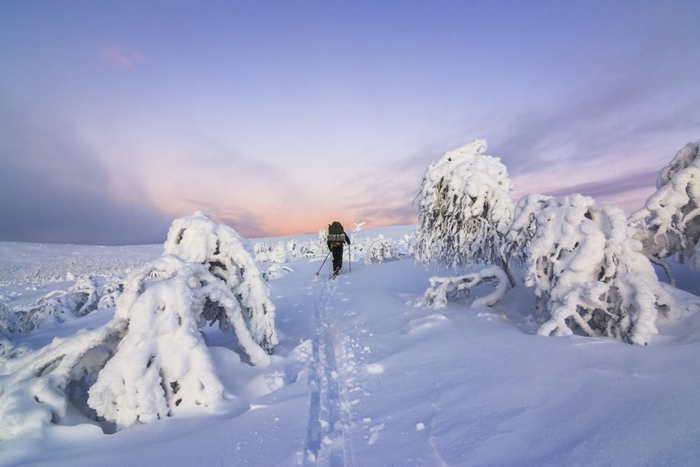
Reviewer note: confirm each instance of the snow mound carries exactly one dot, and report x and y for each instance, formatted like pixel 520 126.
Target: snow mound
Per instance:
pixel 420 325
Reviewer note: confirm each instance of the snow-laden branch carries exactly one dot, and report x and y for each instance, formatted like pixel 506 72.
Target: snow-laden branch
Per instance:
pixel 150 360
pixel 382 250
pixel 464 209
pixel 199 239
pixel 81 299
pixel 443 289
pixel 668 225
pixel 588 273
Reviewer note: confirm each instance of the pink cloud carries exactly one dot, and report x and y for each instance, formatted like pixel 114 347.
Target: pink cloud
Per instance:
pixel 120 59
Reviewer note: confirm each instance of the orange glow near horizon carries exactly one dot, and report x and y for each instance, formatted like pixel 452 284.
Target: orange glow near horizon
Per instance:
pixel 275 224
pixel 313 223
pixel 309 225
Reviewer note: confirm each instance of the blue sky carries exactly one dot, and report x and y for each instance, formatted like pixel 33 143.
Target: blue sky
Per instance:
pixel 278 117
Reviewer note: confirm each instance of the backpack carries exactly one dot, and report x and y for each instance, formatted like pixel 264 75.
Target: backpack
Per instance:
pixel 336 233
pixel 336 228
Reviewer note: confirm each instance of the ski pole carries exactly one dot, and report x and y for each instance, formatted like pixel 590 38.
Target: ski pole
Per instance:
pixel 350 258
pixel 324 262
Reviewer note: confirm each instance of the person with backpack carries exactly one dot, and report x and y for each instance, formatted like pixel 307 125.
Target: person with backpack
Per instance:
pixel 336 238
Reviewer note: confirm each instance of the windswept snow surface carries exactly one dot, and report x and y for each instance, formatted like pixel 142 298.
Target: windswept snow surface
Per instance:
pixel 363 376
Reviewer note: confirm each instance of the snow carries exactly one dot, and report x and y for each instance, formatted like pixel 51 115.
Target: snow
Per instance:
pixel 365 375
pixel 464 208
pixel 588 272
pixel 669 223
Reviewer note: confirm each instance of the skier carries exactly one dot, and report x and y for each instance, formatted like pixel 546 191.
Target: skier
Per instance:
pixel 336 238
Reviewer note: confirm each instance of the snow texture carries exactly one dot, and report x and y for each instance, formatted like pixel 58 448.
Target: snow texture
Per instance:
pixel 360 377
pixel 79 300
pixel 381 250
pixel 669 223
pixel 442 289
pixel 150 361
pixel 162 363
pixel 588 273
pixel 464 208
pixel 200 239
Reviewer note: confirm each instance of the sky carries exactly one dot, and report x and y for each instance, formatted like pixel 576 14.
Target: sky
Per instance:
pixel 277 117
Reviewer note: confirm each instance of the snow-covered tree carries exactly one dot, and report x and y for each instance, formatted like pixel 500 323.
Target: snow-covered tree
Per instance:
pixel 589 274
pixel 523 227
pixel 200 239
pixel 270 253
pixel 464 209
pixel 381 250
pixel 151 360
pixel 292 250
pixel 110 291
pixel 669 223
pixel 79 300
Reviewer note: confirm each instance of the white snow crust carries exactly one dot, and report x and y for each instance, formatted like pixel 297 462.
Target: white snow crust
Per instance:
pixel 360 375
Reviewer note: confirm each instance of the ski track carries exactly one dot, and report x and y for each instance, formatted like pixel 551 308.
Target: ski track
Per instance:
pixel 328 438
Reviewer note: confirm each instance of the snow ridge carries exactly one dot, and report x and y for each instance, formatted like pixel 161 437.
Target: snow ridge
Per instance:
pixel 328 441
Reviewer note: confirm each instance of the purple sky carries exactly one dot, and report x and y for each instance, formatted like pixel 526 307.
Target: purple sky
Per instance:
pixel 278 117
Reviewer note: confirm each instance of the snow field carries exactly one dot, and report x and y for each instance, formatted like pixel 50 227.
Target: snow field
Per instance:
pixel 365 375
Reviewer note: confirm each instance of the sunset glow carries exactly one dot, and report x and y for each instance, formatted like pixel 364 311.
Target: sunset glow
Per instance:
pixel 279 117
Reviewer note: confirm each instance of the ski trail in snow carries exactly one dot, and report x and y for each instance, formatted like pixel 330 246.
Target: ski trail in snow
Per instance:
pixel 328 431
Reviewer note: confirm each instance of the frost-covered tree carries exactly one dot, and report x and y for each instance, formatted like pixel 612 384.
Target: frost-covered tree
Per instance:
pixel 523 227
pixel 589 274
pixel 200 239
pixel 79 300
pixel 669 223
pixel 151 360
pixel 292 250
pixel 110 291
pixel 381 250
pixel 464 209
pixel 270 253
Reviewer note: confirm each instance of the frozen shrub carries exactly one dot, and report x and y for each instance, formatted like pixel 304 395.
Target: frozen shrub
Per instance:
pixel 405 245
pixel 151 360
pixel 589 274
pixel 464 209
pixel 78 301
pixel 281 252
pixel 274 253
pixel 110 292
pixel 669 223
pixel 199 239
pixel 84 293
pixel 523 228
pixel 275 271
pixel 381 250
pixel 162 362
